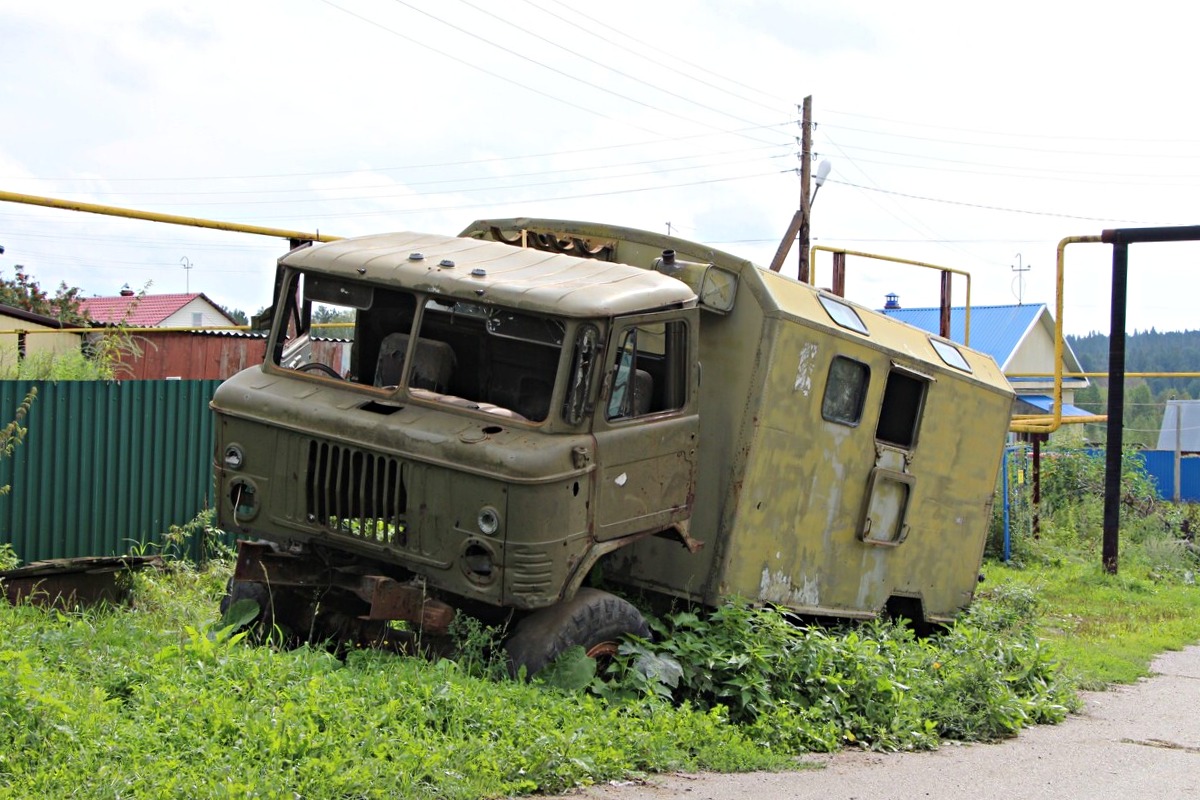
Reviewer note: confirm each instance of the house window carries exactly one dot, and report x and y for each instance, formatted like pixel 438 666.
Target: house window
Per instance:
pixel 197 318
pixel 845 391
pixel 900 413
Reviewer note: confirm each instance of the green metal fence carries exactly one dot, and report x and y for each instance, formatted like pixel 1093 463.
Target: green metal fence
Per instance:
pixel 105 468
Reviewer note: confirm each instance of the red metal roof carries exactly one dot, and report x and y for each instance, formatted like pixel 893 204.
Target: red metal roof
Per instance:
pixel 141 312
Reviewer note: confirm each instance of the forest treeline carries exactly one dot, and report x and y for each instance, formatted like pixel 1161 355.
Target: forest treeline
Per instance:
pixel 1145 398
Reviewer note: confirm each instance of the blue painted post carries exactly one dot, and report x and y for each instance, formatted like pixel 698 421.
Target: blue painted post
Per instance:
pixel 1007 541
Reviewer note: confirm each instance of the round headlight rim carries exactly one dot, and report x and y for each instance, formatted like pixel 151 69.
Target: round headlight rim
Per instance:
pixel 488 521
pixel 233 457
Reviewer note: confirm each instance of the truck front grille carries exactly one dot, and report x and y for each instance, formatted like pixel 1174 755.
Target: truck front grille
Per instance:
pixel 355 493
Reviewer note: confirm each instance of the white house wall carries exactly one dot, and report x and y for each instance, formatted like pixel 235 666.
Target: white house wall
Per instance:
pixel 185 317
pixel 1035 355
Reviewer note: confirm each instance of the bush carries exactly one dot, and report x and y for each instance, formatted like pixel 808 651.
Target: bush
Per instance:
pixel 874 685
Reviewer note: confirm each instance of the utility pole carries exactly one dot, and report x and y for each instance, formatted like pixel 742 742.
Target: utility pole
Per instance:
pixel 799 224
pixel 805 176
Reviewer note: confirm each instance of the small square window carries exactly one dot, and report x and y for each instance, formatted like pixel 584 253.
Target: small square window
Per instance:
pixel 843 314
pixel 951 355
pixel 845 391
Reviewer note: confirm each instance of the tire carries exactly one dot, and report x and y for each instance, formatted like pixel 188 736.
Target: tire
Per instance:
pixel 272 605
pixel 593 620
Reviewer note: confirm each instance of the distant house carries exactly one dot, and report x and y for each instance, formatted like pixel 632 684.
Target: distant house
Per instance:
pixel 1181 426
pixel 33 335
pixel 156 311
pixel 1021 340
pixel 185 354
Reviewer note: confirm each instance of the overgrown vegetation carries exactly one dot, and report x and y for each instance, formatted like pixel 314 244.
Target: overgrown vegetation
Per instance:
pixel 23 291
pixel 161 699
pixel 1106 627
pixel 58 356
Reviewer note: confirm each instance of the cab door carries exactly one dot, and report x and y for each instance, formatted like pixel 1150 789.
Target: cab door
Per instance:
pixel 646 424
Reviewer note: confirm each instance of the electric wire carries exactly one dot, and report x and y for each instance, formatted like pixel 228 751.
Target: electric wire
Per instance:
pixel 603 65
pixel 535 62
pixel 443 181
pixel 664 64
pixel 433 165
pixel 993 208
pixel 691 64
pixel 484 70
pixel 464 190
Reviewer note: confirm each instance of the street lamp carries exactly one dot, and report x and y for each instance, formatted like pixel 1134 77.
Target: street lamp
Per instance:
pixel 819 179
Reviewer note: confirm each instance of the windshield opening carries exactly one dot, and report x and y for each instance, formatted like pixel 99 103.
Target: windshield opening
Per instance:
pixel 488 358
pixel 476 356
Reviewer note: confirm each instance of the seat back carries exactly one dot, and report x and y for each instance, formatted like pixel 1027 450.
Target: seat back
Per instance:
pixel 433 363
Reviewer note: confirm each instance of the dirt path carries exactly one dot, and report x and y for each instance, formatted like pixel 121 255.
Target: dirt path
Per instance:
pixel 1140 741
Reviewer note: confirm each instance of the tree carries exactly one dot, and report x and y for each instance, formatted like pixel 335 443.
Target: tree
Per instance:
pixel 23 291
pixel 236 314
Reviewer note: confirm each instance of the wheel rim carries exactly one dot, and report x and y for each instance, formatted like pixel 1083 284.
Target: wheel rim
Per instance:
pixel 603 652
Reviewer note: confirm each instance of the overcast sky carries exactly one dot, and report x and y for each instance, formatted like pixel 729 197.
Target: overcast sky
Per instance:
pixel 968 135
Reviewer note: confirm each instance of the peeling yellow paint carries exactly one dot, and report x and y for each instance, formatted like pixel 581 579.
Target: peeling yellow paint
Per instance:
pixel 776 587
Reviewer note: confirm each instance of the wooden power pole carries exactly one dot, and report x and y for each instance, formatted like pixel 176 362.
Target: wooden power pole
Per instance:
pixel 805 176
pixel 799 225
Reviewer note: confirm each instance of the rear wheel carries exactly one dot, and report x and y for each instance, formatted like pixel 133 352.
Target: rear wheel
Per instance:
pixel 592 619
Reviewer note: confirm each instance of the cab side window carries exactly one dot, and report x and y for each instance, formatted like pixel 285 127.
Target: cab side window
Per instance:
pixel 845 391
pixel 648 371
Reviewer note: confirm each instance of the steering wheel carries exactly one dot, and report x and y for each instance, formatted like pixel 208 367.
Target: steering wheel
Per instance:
pixel 317 366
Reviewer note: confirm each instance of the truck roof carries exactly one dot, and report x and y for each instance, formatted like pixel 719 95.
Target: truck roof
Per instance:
pixel 485 271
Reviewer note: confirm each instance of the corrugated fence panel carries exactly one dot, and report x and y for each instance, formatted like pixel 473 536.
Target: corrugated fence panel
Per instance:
pixel 1160 465
pixel 105 467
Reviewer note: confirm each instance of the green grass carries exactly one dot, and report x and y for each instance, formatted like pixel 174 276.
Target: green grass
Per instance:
pixel 1108 628
pixel 157 700
pixel 154 702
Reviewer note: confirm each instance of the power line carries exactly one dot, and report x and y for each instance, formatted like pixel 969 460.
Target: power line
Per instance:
pixel 1054 151
pixel 1039 172
pixel 991 208
pixel 434 165
pixel 1014 134
pixel 488 72
pixel 535 62
pixel 526 30
pixel 665 64
pixel 557 198
pixel 441 181
pixel 465 190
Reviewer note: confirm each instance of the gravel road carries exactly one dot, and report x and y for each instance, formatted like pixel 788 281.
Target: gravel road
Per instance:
pixel 1139 741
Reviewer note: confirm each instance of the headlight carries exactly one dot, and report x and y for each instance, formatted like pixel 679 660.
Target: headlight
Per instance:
pixel 234 458
pixel 488 520
pixel 244 498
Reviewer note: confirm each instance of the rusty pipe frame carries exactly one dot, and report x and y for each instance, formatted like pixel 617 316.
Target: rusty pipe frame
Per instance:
pixel 812 271
pixel 1048 423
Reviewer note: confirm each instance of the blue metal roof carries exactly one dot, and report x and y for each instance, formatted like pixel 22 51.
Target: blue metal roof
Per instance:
pixel 995 330
pixel 1044 402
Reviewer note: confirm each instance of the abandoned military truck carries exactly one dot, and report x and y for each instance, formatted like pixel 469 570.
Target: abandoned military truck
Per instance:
pixel 504 418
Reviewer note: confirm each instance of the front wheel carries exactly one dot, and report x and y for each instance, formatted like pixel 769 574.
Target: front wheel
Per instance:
pixel 592 619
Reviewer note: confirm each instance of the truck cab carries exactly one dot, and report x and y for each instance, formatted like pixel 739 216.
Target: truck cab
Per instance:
pixel 477 424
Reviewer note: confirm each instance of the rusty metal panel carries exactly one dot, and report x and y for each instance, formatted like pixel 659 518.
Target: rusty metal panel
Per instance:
pixel 190 355
pixel 72 582
pixel 105 466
